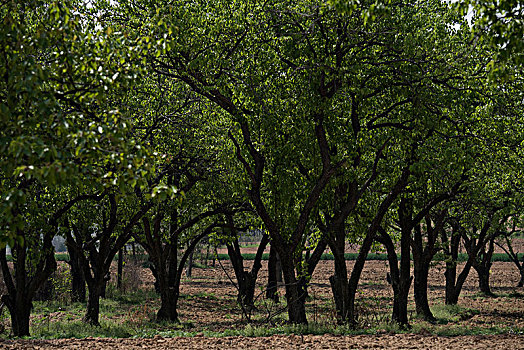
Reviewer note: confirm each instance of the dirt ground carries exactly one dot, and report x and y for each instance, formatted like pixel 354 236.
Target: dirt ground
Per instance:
pixel 383 341
pixel 208 303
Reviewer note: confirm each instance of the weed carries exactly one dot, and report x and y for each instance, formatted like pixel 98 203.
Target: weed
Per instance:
pixel 452 313
pixel 138 317
pixel 62 282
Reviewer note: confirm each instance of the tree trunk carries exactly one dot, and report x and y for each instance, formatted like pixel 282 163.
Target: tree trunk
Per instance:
pixel 20 310
pixel 452 247
pixel 246 279
pixel 400 315
pixel 272 277
pixel 368 241
pixel 453 283
pixel 358 267
pixel 521 270
pixel 339 286
pixel 336 238
pixel 452 293
pixel 400 278
pixel 168 304
pixel 107 278
pixel 78 282
pixel 483 266
pixel 422 257
pixel 93 303
pixel 453 288
pixel 21 319
pixel 168 281
pixel 483 274
pixel 21 287
pixel 420 286
pixel 168 269
pixel 400 307
pixel 311 262
pixel 295 302
pixel 189 265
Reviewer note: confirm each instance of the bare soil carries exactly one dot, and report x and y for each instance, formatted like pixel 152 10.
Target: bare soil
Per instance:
pixel 382 341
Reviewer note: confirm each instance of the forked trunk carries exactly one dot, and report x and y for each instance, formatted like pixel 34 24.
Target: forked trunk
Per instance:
pixel 246 279
pixel 453 288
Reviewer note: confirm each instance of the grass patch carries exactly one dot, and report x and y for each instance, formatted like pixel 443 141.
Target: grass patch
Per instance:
pixel 452 313
pixel 78 329
pixel 453 331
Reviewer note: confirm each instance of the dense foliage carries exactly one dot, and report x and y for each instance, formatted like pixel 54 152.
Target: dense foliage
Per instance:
pixel 318 123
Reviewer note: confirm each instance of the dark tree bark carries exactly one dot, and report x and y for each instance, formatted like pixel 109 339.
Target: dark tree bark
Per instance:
pixel 294 293
pixel 345 198
pixel 78 282
pixel 400 277
pixel 169 281
pixel 311 261
pixel 287 247
pixel 163 254
pixel 20 310
pixel 274 275
pixel 189 268
pixel 339 286
pixel 422 257
pixel 31 272
pixel 420 287
pixel 29 275
pixel 454 283
pixel 483 265
pixel 370 237
pixel 95 287
pixel 96 253
pixel 480 248
pixel 246 279
pixel 400 314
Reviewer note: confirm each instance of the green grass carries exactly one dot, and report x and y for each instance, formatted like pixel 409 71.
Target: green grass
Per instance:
pixel 126 320
pixel 452 313
pixel 132 314
pixel 458 330
pixel 78 329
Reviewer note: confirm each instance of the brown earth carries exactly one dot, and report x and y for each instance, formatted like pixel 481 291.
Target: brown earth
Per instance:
pixel 382 341
pixel 208 304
